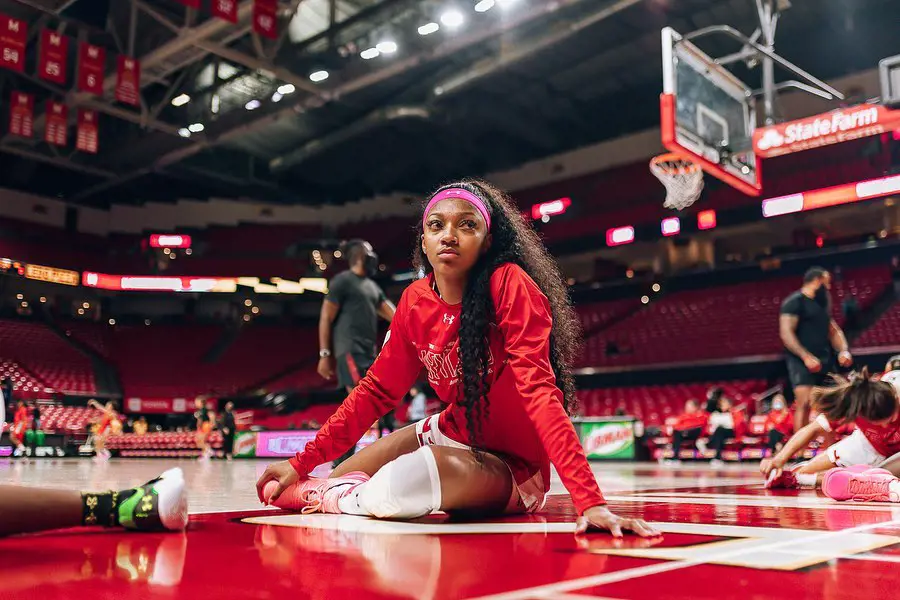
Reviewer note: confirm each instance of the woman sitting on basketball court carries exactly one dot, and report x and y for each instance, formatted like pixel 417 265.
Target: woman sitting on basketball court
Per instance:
pixel 492 326
pixel 870 404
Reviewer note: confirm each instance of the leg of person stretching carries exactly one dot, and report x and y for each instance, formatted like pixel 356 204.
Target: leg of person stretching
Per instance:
pixel 406 481
pixel 159 504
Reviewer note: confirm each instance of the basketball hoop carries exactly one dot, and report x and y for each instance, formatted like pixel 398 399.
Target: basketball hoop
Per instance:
pixel 682 177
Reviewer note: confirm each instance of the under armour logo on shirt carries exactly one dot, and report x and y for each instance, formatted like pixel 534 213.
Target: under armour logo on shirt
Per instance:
pixel 448 319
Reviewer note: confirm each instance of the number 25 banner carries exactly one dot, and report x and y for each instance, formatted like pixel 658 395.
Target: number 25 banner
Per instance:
pixel 54 57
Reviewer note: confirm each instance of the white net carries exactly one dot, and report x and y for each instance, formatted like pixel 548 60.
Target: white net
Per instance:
pixel 682 177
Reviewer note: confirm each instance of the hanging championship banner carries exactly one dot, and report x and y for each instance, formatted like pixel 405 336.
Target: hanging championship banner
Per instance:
pixel 13 38
pixel 21 114
pixel 91 68
pixel 265 18
pixel 225 9
pixel 128 81
pixel 191 3
pixel 88 133
pixel 57 123
pixel 53 58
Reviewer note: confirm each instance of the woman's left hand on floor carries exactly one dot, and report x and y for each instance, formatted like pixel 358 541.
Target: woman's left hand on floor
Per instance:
pixel 600 518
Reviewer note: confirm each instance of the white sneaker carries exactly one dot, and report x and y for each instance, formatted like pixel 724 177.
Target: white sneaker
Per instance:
pixel 701 445
pixel 158 504
pixel 716 463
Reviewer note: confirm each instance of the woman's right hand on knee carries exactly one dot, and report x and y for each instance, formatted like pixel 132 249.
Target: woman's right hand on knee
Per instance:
pixel 283 473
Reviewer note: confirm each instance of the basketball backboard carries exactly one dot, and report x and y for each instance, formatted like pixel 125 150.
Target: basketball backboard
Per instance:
pixel 708 115
pixel 889 71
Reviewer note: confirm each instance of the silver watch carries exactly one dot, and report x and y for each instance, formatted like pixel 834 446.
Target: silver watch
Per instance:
pixel 324 353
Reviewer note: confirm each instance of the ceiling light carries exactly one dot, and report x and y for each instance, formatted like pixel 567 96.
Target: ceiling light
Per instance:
pixel 428 28
pixel 214 104
pixel 181 100
pixel 452 18
pixel 277 96
pixel 484 6
pixel 369 53
pixel 286 89
pixel 184 132
pixel 112 321
pixel 196 127
pixel 387 47
pixel 253 105
pixel 318 76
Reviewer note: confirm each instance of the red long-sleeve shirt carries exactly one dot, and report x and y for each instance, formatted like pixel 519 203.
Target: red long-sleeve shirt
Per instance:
pixel 688 421
pixel 526 422
pixel 781 420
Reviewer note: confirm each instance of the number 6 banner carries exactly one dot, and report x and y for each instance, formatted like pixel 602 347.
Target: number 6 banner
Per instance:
pixel 91 68
pixel 54 57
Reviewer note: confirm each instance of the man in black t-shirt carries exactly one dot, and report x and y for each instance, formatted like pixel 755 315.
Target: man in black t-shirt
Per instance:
pixel 348 323
pixel 811 338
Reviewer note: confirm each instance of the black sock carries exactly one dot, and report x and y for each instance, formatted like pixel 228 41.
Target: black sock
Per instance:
pixel 102 508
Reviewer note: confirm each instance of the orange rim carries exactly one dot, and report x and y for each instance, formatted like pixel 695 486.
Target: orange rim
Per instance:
pixel 672 163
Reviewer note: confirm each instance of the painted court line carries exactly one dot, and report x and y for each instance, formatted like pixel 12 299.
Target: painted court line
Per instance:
pixel 763 501
pixel 638 572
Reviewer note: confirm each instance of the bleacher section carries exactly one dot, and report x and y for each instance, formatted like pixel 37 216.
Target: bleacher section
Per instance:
pixel 161 444
pixel 44 361
pixel 166 361
pixel 653 404
pixel 717 323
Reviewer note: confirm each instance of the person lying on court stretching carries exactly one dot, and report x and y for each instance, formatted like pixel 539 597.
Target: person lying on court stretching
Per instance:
pixel 491 324
pixel 872 406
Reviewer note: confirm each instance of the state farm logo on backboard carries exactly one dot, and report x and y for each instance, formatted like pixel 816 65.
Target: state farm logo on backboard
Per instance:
pixel 822 130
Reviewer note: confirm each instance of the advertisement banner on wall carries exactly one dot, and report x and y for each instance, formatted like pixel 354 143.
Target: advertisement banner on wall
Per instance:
pixel 159 405
pixel 245 444
pixel 284 444
pixel 611 440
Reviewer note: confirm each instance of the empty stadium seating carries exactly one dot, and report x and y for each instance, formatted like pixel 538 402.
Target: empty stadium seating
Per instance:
pixel 50 361
pixel 68 419
pixel 160 444
pixel 718 322
pixel 653 404
pixel 885 331
pixel 166 361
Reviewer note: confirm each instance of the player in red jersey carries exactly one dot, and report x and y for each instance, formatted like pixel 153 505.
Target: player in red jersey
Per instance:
pixel 492 327
pixel 103 427
pixel 871 405
pixel 17 430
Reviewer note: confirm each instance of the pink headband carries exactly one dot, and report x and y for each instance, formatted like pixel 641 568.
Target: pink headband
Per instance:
pixel 462 195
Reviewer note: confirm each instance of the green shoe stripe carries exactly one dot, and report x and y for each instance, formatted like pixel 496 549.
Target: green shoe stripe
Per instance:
pixel 127 508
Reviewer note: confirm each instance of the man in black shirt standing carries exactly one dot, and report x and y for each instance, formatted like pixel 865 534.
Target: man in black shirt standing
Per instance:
pixel 227 429
pixel 348 322
pixel 811 338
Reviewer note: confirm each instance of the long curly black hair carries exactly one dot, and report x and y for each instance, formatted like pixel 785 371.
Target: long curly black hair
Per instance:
pixel 514 241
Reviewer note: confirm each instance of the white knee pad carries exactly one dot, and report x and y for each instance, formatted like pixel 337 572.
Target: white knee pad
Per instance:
pixel 405 488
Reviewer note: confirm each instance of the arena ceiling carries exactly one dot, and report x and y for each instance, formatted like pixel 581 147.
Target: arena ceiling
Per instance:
pixel 523 80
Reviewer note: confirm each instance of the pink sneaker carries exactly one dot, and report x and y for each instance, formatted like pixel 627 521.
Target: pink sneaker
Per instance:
pixel 786 481
pixel 314 493
pixel 843 484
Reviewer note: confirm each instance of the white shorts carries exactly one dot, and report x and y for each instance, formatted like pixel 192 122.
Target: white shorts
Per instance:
pixel 527 496
pixel 854 449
